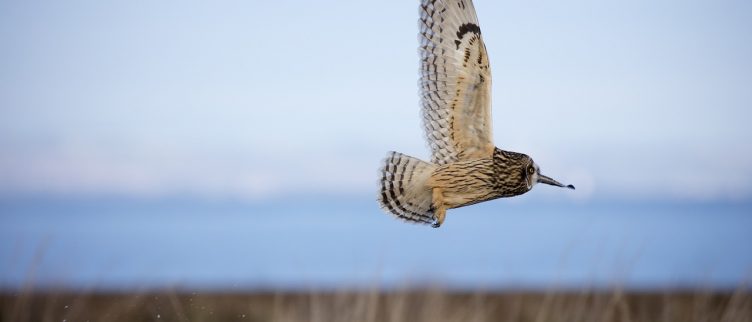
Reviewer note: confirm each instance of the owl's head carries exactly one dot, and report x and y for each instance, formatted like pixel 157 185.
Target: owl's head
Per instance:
pixel 520 173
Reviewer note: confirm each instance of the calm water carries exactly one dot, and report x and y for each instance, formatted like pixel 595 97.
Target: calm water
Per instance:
pixel 344 242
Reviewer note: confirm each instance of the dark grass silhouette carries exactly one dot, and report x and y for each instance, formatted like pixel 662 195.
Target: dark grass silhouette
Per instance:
pixel 399 305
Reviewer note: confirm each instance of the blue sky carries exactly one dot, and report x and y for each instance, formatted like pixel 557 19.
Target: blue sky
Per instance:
pixel 251 99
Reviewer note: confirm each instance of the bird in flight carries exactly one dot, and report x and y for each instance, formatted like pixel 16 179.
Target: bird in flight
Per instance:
pixel 455 89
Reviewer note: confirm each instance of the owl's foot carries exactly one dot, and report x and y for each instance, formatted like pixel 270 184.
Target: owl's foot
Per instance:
pixel 439 209
pixel 439 220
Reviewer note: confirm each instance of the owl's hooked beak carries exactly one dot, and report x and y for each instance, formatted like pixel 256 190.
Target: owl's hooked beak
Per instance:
pixel 547 180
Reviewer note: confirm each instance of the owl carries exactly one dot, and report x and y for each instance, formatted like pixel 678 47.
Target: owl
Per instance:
pixel 455 94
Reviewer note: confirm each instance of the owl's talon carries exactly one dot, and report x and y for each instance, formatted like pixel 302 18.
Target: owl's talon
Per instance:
pixel 436 224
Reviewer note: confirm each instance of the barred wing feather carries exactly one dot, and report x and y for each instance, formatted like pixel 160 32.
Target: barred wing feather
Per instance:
pixel 455 82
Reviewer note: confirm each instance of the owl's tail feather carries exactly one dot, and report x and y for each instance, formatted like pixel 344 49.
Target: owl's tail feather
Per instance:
pixel 404 188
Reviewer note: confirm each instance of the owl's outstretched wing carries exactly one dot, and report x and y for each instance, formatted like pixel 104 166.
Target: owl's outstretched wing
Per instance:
pixel 455 82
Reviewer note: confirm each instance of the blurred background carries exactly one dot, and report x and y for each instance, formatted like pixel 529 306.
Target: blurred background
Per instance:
pixel 235 145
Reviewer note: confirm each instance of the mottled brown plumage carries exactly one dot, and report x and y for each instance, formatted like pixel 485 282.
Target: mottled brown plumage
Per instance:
pixel 466 167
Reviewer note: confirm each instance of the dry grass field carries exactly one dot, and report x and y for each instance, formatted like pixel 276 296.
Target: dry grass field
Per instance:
pixel 405 305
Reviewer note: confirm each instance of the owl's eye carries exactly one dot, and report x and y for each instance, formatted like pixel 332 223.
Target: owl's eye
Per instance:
pixel 530 170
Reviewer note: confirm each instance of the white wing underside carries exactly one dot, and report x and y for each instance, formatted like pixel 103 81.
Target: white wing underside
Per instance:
pixel 455 82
